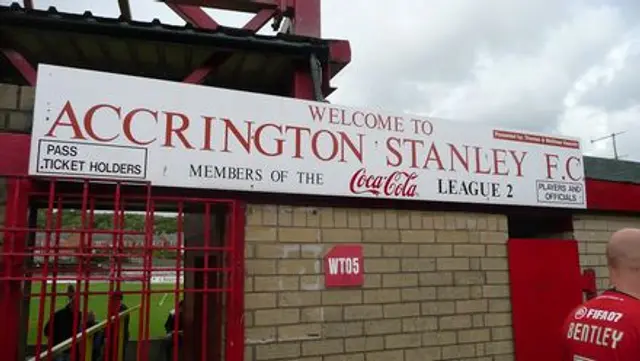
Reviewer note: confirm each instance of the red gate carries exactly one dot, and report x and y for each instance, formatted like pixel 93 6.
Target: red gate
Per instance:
pixel 545 283
pixel 100 259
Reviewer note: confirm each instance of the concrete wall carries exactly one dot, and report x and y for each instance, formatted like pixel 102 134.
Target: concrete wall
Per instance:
pixel 436 286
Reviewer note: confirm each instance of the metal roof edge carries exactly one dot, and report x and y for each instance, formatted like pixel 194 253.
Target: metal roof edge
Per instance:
pixel 614 170
pixel 15 15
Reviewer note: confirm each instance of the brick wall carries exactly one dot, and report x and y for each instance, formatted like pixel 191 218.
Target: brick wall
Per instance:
pixel 592 232
pixel 436 286
pixel 16 108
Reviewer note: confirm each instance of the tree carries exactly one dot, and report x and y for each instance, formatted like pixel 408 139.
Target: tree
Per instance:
pixel 72 219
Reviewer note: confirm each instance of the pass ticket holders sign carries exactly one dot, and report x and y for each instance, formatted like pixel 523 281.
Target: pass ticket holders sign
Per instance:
pixel 344 266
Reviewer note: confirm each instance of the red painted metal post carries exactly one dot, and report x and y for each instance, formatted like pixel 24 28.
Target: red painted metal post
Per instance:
pixel 14 247
pixel 306 22
pixel 200 19
pixel 306 19
pixel 179 267
pixel 259 20
pixel 303 84
pixel 235 335
pixel 197 17
pixel 240 213
pixel 15 158
pixel 198 75
pixel 147 254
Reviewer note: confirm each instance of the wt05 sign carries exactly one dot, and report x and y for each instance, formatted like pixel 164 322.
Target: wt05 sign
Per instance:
pixel 344 267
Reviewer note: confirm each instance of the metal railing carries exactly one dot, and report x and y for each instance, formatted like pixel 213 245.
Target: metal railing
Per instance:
pixel 87 336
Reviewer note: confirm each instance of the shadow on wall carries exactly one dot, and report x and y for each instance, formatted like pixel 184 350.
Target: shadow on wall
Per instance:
pixel 547 226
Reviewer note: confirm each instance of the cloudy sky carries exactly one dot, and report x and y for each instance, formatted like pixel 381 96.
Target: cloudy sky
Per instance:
pixel 560 66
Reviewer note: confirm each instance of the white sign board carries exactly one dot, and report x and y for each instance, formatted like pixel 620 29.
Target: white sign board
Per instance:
pixel 101 125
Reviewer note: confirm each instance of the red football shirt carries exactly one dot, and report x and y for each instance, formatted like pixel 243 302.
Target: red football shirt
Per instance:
pixel 605 328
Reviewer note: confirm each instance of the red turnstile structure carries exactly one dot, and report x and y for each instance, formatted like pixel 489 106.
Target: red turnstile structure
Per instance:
pixel 57 248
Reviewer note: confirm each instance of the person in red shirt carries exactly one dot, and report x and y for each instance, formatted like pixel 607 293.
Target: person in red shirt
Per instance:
pixel 607 327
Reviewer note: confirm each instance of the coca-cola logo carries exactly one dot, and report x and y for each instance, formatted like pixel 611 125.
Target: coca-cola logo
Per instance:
pixel 396 184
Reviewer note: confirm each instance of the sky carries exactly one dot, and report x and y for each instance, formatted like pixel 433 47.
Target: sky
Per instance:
pixel 566 67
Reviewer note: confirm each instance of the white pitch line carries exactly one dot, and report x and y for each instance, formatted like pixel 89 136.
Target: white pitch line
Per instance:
pixel 164 297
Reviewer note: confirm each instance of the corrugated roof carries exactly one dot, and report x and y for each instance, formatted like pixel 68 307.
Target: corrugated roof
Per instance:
pixel 612 170
pixel 242 60
pixel 15 14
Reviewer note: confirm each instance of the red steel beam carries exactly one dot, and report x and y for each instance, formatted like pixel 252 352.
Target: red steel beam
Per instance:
pixel 252 6
pixel 306 22
pixel 25 68
pixel 200 19
pixel 194 16
pixel 306 18
pixel 339 55
pixel 200 74
pixel 259 20
pixel 306 14
pixel 303 84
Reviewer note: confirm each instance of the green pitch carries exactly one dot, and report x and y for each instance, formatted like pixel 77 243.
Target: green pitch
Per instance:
pixel 161 304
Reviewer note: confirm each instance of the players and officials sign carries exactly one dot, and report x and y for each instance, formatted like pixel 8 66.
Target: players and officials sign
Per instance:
pixel 102 125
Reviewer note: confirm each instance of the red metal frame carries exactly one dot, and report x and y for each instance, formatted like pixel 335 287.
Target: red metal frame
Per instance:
pixel 130 262
pixel 25 68
pixel 306 20
pixel 260 20
pixel 198 75
pixel 16 209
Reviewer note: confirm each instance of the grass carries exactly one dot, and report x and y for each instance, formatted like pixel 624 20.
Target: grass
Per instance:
pixel 161 304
